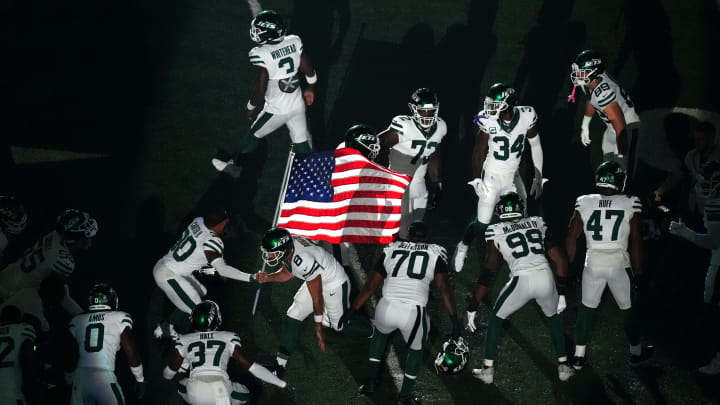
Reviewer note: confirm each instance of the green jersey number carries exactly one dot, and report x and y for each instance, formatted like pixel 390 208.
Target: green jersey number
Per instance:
pixel 412 263
pixel 287 61
pixel 422 144
pixel 524 243
pixel 9 344
pixel 200 352
pixel 596 228
pixel 184 247
pixel 505 149
pixel 94 336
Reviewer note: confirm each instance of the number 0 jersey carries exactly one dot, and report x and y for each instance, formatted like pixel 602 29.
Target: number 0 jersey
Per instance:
pixel 506 141
pixel 606 219
pixel 12 337
pixel 521 243
pixel 282 62
pixel 607 91
pixel 207 352
pixel 310 260
pixel 98 337
pixel 410 268
pixel 49 254
pixel 414 147
pixel 188 253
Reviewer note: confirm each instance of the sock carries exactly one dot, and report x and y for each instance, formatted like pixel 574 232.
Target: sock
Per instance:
pixel 281 359
pixel 377 350
pixel 580 351
pixel 289 338
pixel 631 325
pixel 359 327
pixel 492 337
pixel 412 366
pixel 558 335
pixel 180 320
pixel 302 147
pixel 585 321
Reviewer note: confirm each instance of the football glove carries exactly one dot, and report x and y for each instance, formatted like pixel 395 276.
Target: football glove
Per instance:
pixel 471 321
pixel 537 185
pixel 585 136
pixel 345 318
pixel 479 186
pixel 561 304
pixel 459 255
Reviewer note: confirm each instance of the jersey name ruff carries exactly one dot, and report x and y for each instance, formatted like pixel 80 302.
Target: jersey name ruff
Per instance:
pixel 279 53
pixel 604 204
pixel 522 225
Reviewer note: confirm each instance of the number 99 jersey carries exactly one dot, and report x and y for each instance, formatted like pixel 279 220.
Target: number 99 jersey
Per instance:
pixel 521 243
pixel 207 352
pixel 98 337
pixel 282 62
pixel 506 141
pixel 410 268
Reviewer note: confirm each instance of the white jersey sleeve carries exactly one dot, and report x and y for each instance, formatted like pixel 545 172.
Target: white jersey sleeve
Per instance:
pixel 310 261
pixel 606 219
pixel 98 335
pixel 608 91
pixel 521 243
pixel 410 268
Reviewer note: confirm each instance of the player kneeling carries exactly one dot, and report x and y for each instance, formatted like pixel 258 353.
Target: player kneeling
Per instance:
pixel 523 244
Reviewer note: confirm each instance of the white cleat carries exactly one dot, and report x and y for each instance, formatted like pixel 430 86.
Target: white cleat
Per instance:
pixel 220 165
pixel 712 368
pixel 229 167
pixel 565 372
pixel 459 256
pixel 484 374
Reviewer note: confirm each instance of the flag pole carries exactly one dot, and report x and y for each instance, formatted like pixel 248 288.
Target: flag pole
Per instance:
pixel 278 206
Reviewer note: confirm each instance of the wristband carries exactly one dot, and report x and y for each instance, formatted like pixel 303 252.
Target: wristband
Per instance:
pixel 620 156
pixel 318 318
pixel 138 373
pixel 169 373
pixel 250 107
pixel 311 79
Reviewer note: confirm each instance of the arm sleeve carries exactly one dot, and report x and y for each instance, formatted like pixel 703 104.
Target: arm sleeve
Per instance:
pixel 214 244
pixel 265 375
pixel 228 271
pixel 536 152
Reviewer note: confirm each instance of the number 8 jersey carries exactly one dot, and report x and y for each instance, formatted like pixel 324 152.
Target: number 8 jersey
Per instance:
pixel 410 268
pixel 521 243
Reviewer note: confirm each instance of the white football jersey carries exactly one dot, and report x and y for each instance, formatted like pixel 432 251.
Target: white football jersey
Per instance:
pixel 414 145
pixel 207 352
pixel 506 141
pixel 521 243
pixel 12 337
pixel 607 91
pixel 98 337
pixel 711 218
pixel 282 62
pixel 49 254
pixel 410 268
pixel 188 253
pixel 310 260
pixel 606 219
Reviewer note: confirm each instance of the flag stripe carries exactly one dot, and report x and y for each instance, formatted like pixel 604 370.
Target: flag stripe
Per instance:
pixel 347 209
pixel 367 180
pixel 350 223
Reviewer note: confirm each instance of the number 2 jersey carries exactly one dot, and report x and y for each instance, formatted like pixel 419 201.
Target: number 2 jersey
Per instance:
pixel 188 253
pixel 207 353
pixel 97 334
pixel 521 243
pixel 506 141
pixel 607 91
pixel 12 338
pixel 414 145
pixel 409 268
pixel 282 62
pixel 310 260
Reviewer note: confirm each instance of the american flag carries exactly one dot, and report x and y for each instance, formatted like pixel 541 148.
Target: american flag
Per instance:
pixel 340 196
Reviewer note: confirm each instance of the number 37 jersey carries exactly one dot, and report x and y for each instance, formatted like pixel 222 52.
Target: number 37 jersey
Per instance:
pixel 521 243
pixel 410 268
pixel 606 219
pixel 207 352
pixel 98 337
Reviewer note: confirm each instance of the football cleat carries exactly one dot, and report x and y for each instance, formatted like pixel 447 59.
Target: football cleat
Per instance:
pixel 646 353
pixel 578 362
pixel 459 256
pixel 407 401
pixel 165 330
pixel 484 374
pixel 712 368
pixel 370 387
pixel 228 167
pixel 565 372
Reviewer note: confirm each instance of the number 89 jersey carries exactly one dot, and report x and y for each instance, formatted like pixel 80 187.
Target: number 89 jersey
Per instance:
pixel 521 243
pixel 207 352
pixel 98 337
pixel 410 268
pixel 606 219
pixel 188 253
pixel 282 62
pixel 607 91
pixel 506 141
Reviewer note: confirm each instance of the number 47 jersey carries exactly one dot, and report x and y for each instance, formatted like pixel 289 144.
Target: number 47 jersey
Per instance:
pixel 606 219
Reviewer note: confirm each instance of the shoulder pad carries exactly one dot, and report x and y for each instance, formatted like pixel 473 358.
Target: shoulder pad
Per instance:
pixel 215 244
pixel 439 250
pixel 492 231
pixel 255 57
pixel 584 199
pixel 398 123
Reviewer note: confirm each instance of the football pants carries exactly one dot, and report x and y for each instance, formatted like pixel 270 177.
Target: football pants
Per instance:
pixel 95 386
pixel 185 292
pixel 335 301
pixel 538 285
pixel 412 320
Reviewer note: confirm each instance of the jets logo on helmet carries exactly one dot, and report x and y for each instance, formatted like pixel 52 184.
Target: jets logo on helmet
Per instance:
pixel 610 175
pixel 363 139
pixel 424 106
pixel 206 316
pixel 75 224
pixel 510 206
pixel 588 65
pixel 13 216
pixel 276 245
pixel 103 297
pixel 453 357
pixel 266 26
pixel 708 182
pixel 500 97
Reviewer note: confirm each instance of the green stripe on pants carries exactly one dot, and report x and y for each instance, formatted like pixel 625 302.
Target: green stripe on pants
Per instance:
pixel 262 120
pixel 180 293
pixel 345 295
pixel 505 295
pixel 118 394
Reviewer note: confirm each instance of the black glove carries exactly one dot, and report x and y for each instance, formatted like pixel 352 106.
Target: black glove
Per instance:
pixel 346 316
pixel 139 389
pixel 456 327
pixel 434 196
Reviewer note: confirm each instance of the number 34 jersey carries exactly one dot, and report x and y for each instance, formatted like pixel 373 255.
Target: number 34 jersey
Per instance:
pixel 207 352
pixel 282 62
pixel 506 141
pixel 410 268
pixel 521 243
pixel 188 253
pixel 414 147
pixel 98 337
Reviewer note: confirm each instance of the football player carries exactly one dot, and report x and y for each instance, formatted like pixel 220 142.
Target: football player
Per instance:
pixel 522 242
pixel 200 248
pixel 99 334
pixel 609 100
pixel 13 221
pixel 208 351
pixel 17 341
pixel 503 128
pixel 405 269
pixel 414 144
pixel 363 139
pixel 277 59
pixel 52 256
pixel 708 187
pixel 611 223
pixel 325 291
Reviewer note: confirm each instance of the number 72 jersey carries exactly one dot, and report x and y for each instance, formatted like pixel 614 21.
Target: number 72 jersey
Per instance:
pixel 606 219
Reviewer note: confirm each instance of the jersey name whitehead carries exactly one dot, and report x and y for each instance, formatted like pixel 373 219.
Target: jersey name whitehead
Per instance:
pixel 281 60
pixel 279 53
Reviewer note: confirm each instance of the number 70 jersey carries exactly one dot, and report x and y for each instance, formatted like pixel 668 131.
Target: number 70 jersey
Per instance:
pixel 606 219
pixel 410 268
pixel 521 243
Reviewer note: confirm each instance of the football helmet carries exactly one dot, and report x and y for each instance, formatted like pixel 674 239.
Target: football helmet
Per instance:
pixel 424 105
pixel 588 65
pixel 453 357
pixel 13 216
pixel 510 206
pixel 267 26
pixel 205 316
pixel 500 97
pixel 610 175
pixel 103 297
pixel 277 245
pixel 708 181
pixel 363 139
pixel 75 224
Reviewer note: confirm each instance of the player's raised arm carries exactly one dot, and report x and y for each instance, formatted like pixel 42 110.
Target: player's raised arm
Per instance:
pixel 256 369
pixel 574 231
pixel 315 288
pixel 479 153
